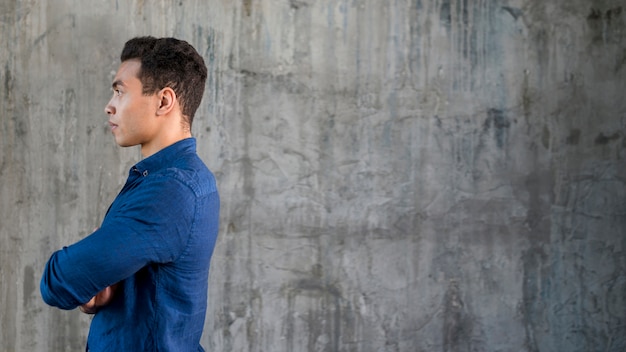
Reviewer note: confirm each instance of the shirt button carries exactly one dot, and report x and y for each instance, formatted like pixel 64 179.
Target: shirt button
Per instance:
pixel 145 173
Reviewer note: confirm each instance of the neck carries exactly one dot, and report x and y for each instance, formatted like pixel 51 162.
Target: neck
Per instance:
pixel 166 137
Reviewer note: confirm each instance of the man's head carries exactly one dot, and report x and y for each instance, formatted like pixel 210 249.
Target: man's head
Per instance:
pixel 169 62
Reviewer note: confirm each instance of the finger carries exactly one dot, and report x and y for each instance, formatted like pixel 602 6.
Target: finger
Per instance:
pixel 104 297
pixel 89 307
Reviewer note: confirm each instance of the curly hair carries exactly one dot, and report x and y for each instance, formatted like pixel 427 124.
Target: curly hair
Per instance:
pixel 169 62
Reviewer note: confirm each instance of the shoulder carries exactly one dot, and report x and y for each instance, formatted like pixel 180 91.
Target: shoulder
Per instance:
pixel 190 172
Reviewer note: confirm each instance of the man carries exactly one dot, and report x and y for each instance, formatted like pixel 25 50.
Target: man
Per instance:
pixel 144 272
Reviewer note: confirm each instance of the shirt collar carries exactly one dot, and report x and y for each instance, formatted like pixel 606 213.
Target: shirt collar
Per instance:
pixel 165 157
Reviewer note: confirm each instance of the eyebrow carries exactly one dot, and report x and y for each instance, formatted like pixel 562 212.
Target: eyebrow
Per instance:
pixel 117 83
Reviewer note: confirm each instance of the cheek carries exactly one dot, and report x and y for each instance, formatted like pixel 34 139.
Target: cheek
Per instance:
pixel 126 110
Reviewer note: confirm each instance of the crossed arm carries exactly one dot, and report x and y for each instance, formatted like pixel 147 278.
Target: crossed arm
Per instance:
pixel 131 236
pixel 103 298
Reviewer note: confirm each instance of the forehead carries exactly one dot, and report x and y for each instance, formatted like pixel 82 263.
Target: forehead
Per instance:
pixel 128 73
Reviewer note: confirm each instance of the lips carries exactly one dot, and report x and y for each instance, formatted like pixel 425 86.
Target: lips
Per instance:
pixel 113 126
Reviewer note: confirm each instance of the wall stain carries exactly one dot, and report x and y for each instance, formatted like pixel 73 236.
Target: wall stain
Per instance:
pixel 247 7
pixel 536 284
pixel 574 137
pixel 621 63
pixel 533 304
pixel 296 4
pixel 513 11
pixel 545 137
pixel 606 26
pixel 29 285
pixel 8 82
pixel 602 139
pixel 67 19
pixel 594 15
pixel 613 13
pixel 500 123
pixel 315 307
pixel 457 326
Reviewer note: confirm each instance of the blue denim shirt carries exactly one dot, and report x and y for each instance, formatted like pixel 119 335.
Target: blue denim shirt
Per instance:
pixel 156 240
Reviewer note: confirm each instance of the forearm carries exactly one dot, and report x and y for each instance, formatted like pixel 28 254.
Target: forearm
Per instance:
pixel 74 274
pixel 55 288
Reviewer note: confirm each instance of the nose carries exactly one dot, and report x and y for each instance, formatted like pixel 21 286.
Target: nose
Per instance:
pixel 109 109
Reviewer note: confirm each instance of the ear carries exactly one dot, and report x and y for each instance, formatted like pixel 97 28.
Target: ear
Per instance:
pixel 167 101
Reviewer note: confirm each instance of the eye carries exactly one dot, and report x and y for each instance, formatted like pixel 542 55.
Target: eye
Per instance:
pixel 117 92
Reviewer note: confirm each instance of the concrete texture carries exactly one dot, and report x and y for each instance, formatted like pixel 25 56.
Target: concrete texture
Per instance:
pixel 443 175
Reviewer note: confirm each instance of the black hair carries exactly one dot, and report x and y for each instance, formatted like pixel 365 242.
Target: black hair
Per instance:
pixel 169 62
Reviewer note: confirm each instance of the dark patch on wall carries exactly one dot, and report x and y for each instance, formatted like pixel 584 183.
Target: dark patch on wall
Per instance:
pixel 462 11
pixel 445 16
pixel 602 139
pixel 67 110
pixel 533 306
pixel 20 125
pixel 8 82
pixel 613 13
pixel 457 327
pixel 415 30
pixel 224 317
pixel 541 38
pixel 594 15
pixel 208 37
pixel 574 137
pixel 606 26
pixel 513 11
pixel 296 4
pixel 29 285
pixel 621 62
pixel 526 97
pixel 500 123
pixel 535 264
pixel 545 137
pixel 540 187
pixel 325 321
pixel 247 7
pixel 68 19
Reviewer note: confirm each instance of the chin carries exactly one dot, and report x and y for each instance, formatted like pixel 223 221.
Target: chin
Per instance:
pixel 122 143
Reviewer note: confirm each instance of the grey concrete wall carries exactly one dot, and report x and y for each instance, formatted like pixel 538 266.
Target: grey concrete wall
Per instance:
pixel 426 175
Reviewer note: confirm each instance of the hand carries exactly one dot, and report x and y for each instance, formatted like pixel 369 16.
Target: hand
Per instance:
pixel 103 298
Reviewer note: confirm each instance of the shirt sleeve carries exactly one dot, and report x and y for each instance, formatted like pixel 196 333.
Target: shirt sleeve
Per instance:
pixel 151 226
